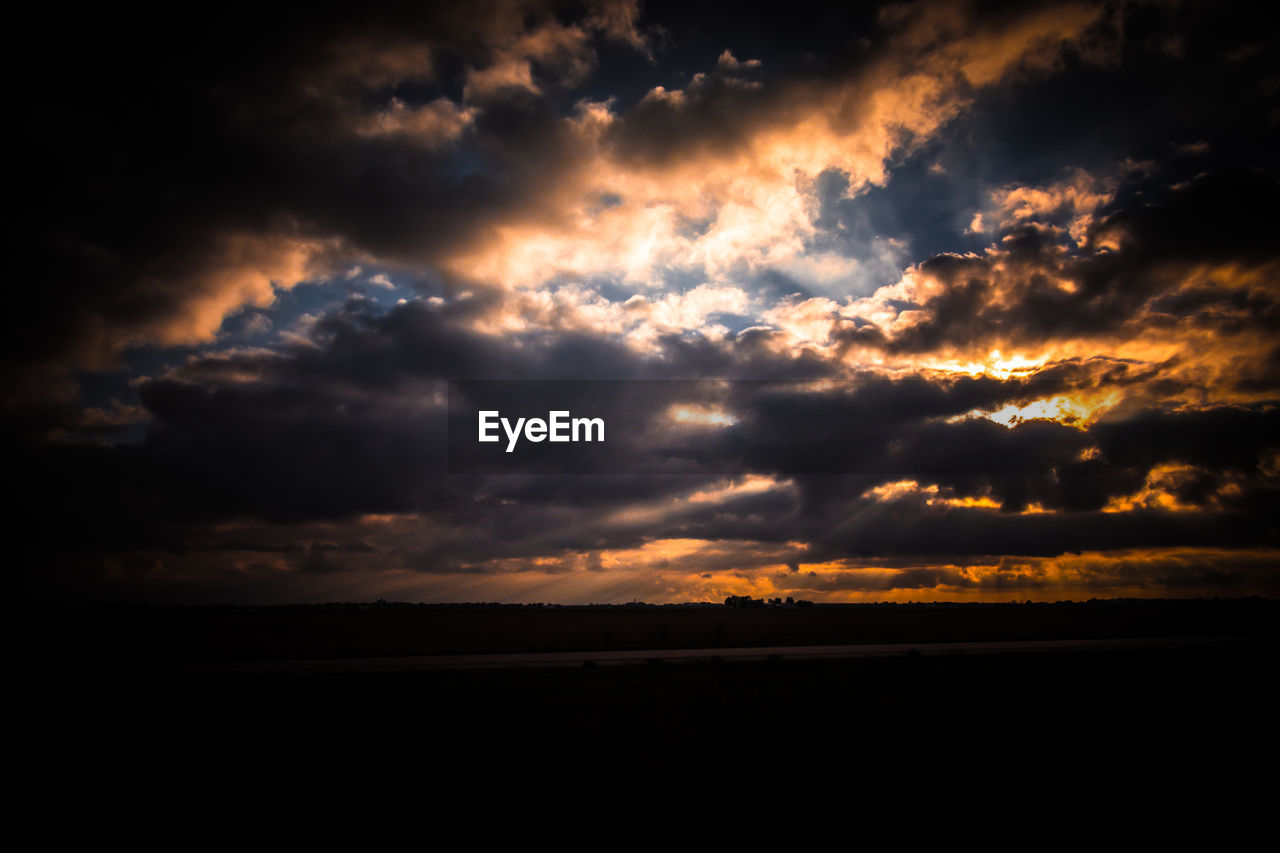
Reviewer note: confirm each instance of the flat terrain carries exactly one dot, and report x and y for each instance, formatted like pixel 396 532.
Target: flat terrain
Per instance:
pixel 1190 717
pixel 117 634
pixel 185 699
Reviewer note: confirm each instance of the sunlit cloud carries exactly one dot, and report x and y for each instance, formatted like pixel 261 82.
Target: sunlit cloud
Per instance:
pixel 1033 333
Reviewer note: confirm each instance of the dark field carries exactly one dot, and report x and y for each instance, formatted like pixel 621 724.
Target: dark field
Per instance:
pixel 122 634
pixel 1199 717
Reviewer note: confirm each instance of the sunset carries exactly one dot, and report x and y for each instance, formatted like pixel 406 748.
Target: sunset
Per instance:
pixel 573 304
pixel 255 279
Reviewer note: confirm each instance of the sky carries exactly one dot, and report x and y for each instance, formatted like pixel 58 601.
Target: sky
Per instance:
pixel 1008 274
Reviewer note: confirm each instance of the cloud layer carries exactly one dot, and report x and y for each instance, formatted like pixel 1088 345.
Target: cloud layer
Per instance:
pixel 1025 366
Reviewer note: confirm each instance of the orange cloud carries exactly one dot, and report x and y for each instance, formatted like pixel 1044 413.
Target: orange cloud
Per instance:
pixel 747 203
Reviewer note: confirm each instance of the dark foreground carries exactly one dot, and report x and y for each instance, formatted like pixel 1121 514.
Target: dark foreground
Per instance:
pixel 115 634
pixel 1197 718
pixel 1201 719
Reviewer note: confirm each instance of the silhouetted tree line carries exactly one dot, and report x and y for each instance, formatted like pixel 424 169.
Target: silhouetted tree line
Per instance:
pixel 748 601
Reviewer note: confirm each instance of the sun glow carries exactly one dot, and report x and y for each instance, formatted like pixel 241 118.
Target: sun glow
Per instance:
pixel 1080 410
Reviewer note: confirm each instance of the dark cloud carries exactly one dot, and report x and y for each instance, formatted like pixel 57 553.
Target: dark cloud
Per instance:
pixel 354 428
pixel 169 162
pixel 1014 292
